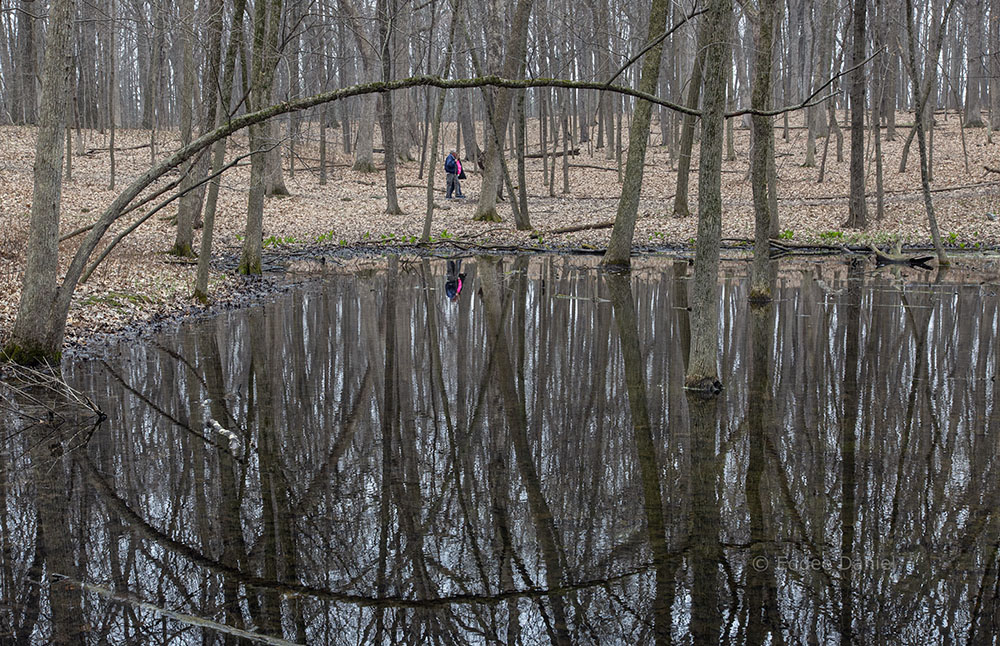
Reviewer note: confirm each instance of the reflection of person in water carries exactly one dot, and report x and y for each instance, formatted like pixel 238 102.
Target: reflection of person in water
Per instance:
pixel 453 284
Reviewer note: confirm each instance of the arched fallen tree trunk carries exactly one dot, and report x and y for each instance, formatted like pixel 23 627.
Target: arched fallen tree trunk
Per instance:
pixel 43 343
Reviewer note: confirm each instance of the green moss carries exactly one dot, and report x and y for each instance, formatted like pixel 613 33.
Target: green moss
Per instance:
pixel 250 269
pixel 30 354
pixel 488 216
pixel 117 299
pixel 181 251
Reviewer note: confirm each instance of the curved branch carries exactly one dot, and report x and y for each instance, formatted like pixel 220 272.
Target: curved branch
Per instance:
pixel 810 100
pixel 653 43
pixel 120 204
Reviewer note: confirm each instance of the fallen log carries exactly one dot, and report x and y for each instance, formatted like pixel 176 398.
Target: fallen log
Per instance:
pixel 883 258
pixel 578 227
pixel 574 152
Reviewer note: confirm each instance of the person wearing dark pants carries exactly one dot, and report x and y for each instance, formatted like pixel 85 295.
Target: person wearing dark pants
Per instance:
pixel 452 169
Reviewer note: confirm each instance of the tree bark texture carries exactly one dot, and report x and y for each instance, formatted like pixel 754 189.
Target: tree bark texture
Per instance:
pixel 620 246
pixel 267 21
pixel 858 216
pixel 702 373
pixel 486 208
pixel 38 330
pixel 761 152
pixel 681 208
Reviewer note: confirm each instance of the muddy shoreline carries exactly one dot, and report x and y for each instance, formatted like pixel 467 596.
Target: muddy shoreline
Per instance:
pixel 282 275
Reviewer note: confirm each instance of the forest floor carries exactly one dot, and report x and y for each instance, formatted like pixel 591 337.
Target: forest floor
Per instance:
pixel 139 282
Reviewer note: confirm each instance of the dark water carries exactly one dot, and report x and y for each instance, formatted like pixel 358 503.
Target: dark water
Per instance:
pixel 521 465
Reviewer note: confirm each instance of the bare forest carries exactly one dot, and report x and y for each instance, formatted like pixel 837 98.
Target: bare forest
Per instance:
pixel 152 151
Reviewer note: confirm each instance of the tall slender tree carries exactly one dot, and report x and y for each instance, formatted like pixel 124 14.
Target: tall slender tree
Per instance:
pixel 266 28
pixel 364 160
pixel 385 12
pixel 688 123
pixel 620 246
pixel 858 213
pixel 499 113
pixel 702 370
pixel 921 91
pixel 37 334
pixel 762 150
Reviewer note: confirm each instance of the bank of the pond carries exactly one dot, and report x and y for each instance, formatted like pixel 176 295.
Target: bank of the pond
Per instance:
pixel 139 283
pixel 98 326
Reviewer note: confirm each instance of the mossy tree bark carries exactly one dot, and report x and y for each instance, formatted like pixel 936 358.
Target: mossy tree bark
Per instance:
pixel 38 329
pixel 702 372
pixel 620 246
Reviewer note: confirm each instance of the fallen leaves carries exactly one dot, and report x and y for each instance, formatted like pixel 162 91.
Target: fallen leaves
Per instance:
pixel 139 281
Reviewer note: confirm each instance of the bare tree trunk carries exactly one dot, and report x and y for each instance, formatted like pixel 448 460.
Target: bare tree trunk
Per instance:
pixel 364 160
pixel 486 208
pixel 681 208
pixel 222 101
pixel 384 10
pixel 404 120
pixel 467 129
pixel 920 94
pixel 994 31
pixel 858 213
pixel 267 14
pixel 880 24
pixel 38 330
pixel 702 372
pixel 762 153
pixel 567 144
pixel 520 145
pixel 436 122
pixel 975 71
pixel 823 45
pixel 322 146
pixel 112 98
pixel 185 213
pixel 24 98
pixel 620 246
pixel 274 178
pixel 602 50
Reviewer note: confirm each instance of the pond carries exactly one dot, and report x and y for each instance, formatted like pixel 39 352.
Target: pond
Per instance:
pixel 502 451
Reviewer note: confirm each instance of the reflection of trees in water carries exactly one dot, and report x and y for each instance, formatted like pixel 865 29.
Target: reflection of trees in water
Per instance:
pixel 405 462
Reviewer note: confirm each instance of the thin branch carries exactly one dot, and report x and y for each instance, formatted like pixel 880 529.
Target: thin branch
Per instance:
pixel 180 617
pixel 653 43
pixel 156 209
pixel 810 100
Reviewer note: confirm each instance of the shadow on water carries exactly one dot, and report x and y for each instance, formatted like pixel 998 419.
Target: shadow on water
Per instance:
pixel 386 457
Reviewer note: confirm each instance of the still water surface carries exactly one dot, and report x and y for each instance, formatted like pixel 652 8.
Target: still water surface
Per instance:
pixel 375 459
